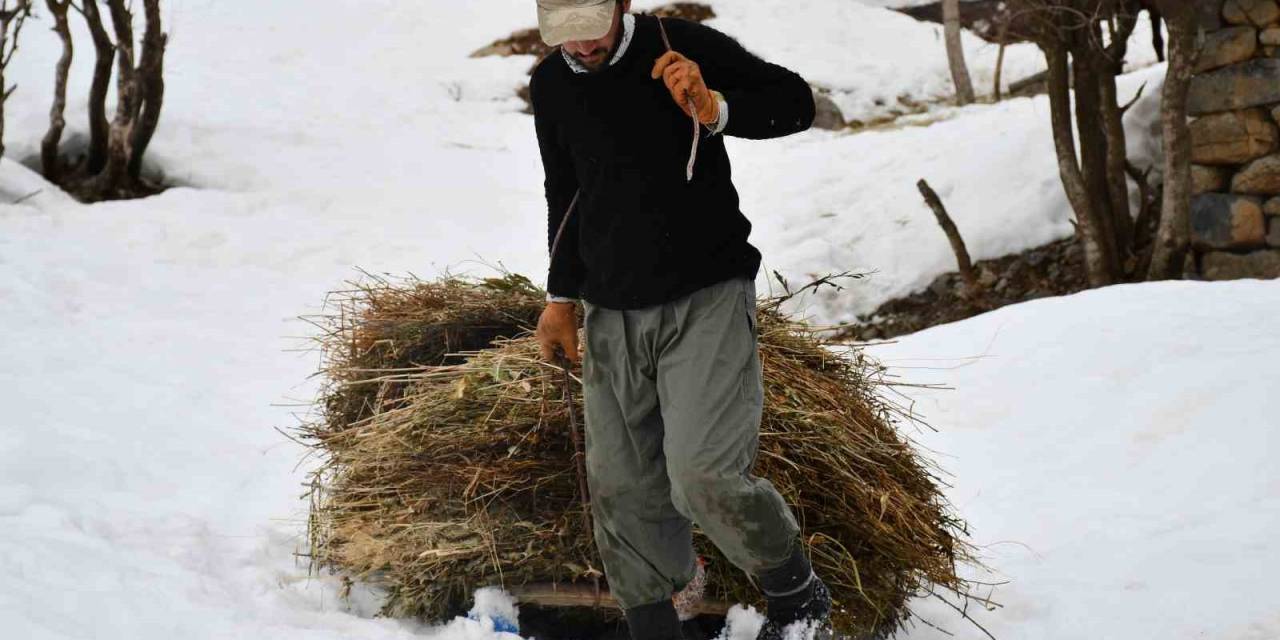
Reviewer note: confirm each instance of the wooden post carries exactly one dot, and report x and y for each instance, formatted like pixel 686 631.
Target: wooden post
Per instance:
pixel 953 234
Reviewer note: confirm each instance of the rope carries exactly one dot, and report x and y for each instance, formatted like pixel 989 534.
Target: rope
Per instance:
pixel 693 113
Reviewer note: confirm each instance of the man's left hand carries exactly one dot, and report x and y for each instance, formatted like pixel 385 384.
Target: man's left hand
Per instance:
pixel 684 80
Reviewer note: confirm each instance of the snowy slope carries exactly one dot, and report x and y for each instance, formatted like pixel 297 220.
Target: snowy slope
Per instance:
pixel 373 127
pixel 877 62
pixel 1114 453
pixel 993 166
pixel 143 492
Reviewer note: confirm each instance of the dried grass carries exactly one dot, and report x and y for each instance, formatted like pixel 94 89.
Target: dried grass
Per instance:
pixel 440 479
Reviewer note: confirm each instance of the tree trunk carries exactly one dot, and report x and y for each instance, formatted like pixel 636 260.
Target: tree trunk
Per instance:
pixel 127 100
pixel 998 92
pixel 1172 236
pixel 1093 155
pixel 99 127
pixel 955 52
pixel 151 77
pixel 1110 63
pixel 1072 179
pixel 49 160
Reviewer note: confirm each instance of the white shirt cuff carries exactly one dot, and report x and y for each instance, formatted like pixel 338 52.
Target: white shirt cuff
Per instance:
pixel 723 120
pixel 551 298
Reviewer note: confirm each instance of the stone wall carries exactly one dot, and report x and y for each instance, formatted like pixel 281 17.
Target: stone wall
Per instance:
pixel 1235 100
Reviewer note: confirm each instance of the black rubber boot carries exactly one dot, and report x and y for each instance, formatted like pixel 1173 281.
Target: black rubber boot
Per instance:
pixel 795 596
pixel 657 621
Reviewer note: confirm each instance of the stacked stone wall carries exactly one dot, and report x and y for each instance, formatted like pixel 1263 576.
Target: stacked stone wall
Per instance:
pixel 1235 101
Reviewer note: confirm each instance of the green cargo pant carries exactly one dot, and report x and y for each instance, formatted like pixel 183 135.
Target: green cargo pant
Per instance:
pixel 673 397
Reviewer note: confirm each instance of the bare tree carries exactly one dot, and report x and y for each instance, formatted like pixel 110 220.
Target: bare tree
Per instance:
pixel 955 52
pixel 57 122
pixel 1064 30
pixel 113 168
pixel 1085 43
pixel 12 16
pixel 1170 246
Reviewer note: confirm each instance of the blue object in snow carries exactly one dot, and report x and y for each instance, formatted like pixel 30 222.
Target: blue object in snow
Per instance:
pixel 500 623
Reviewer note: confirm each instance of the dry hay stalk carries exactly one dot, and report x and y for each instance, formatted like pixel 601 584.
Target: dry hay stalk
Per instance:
pixel 377 333
pixel 467 478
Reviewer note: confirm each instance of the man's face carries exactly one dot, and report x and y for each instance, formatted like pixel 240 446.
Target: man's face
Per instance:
pixel 595 54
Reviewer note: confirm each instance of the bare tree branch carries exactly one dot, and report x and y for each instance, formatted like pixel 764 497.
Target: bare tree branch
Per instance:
pixel 151 80
pixel 953 234
pixel 12 17
pixel 57 121
pixel 105 49
pixel 1004 42
pixel 127 98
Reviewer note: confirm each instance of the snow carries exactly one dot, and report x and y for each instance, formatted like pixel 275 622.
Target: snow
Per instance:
pixel 1114 454
pixel 496 609
pixel 993 167
pixel 889 63
pixel 864 71
pixel 152 346
pixel 741 623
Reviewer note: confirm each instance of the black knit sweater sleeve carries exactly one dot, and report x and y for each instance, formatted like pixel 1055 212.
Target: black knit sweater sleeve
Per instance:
pixel 765 100
pixel 566 272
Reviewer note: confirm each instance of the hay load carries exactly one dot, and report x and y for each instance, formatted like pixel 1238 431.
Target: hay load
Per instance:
pixel 443 473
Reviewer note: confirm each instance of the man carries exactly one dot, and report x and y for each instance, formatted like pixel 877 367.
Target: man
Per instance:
pixel 661 262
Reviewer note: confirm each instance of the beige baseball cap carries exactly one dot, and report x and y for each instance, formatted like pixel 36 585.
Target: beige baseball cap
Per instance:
pixel 563 20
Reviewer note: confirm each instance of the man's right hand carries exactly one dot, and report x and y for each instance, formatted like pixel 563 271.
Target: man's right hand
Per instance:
pixel 558 328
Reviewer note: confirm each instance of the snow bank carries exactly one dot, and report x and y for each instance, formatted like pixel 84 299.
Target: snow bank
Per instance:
pixel 853 203
pixel 1114 453
pixel 143 492
pixel 368 138
pixel 877 62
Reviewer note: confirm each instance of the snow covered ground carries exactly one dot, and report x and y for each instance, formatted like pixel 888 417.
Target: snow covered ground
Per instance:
pixel 1114 452
pixel 143 491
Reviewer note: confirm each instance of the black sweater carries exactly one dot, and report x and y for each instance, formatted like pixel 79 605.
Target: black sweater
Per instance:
pixel 641 235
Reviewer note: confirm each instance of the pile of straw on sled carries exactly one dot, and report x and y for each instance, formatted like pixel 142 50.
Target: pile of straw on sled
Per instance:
pixel 447 462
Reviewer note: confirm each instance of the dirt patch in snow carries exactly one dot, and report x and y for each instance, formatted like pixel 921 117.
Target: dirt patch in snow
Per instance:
pixel 1054 269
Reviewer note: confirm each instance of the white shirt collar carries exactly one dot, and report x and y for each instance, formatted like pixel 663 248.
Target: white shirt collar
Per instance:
pixel 628 31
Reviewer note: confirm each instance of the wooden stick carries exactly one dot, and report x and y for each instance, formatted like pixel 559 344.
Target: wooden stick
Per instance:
pixel 693 112
pixel 550 594
pixel 953 234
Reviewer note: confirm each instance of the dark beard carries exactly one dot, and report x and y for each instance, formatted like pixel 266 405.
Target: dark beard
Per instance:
pixel 613 51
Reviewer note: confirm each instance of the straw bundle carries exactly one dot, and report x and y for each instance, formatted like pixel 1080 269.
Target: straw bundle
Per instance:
pixel 379 329
pixel 462 475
